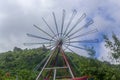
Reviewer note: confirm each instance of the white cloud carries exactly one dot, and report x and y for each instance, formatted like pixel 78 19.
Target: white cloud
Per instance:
pixel 104 56
pixel 17 17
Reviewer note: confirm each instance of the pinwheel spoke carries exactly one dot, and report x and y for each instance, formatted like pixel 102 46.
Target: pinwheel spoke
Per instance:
pixel 31 35
pixel 49 26
pixel 78 21
pixel 55 23
pixel 70 21
pixel 85 41
pixel 84 34
pixel 76 46
pixel 43 31
pixel 29 44
pixel 84 26
pixel 63 19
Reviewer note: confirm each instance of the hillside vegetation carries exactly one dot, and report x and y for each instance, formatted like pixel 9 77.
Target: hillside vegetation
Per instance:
pixel 21 65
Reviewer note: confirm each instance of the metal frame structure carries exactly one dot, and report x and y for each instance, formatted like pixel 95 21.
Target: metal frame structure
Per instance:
pixel 59 41
pixel 67 66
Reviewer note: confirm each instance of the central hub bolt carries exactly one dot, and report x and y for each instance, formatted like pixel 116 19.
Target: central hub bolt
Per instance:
pixel 60 42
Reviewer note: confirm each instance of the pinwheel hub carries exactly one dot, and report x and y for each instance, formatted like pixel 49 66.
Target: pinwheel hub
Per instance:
pixel 60 41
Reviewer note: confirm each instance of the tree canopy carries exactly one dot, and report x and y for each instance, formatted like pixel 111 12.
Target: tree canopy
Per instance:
pixel 114 47
pixel 25 65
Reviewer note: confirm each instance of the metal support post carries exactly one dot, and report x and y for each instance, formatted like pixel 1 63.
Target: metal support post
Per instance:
pixel 54 74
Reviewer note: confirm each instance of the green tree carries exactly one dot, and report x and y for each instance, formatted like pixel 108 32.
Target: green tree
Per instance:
pixel 114 46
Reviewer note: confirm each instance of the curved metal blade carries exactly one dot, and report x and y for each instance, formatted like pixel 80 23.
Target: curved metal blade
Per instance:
pixel 31 35
pixel 70 21
pixel 48 26
pixel 78 21
pixel 76 46
pixel 84 26
pixel 69 49
pixel 63 19
pixel 85 41
pixel 87 33
pixel 43 31
pixel 29 44
pixel 55 23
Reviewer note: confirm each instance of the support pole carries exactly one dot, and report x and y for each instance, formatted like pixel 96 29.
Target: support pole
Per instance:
pixel 67 63
pixel 45 65
pixel 54 74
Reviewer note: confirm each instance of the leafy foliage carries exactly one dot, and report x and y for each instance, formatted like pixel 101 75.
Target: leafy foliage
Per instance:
pixel 114 46
pixel 21 65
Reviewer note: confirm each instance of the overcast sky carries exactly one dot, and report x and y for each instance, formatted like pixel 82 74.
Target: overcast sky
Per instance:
pixel 18 16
